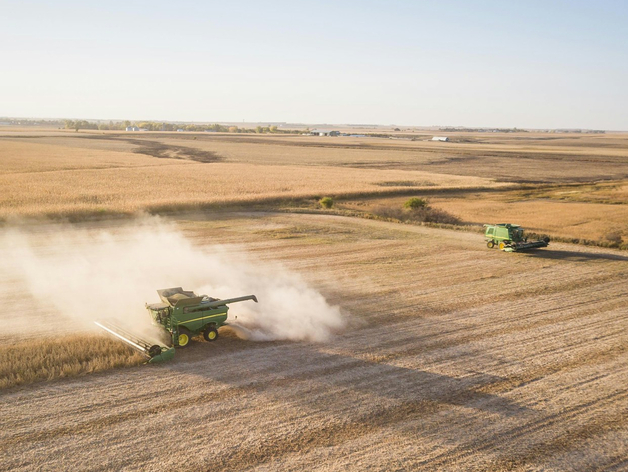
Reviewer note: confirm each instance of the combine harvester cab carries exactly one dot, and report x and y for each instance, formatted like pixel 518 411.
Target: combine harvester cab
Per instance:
pixel 510 238
pixel 182 315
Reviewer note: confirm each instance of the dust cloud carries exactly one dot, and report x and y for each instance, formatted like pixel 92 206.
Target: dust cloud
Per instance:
pixel 90 274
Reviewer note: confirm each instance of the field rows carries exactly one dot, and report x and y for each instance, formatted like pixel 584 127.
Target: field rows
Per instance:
pixel 456 357
pixel 452 357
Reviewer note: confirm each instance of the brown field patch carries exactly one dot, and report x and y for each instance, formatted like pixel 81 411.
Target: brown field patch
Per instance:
pixel 527 157
pixel 512 159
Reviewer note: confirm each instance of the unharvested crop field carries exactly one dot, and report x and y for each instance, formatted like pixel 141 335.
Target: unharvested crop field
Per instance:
pixel 455 357
pixel 571 186
pixel 50 358
pixel 567 218
pixel 78 177
pixel 451 357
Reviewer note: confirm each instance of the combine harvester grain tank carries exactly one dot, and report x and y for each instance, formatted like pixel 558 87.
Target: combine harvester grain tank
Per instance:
pixel 181 315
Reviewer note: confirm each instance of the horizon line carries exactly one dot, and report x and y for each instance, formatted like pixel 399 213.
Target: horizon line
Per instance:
pixel 274 122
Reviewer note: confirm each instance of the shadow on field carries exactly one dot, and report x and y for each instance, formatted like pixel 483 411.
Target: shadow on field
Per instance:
pixel 282 367
pixel 337 398
pixel 574 256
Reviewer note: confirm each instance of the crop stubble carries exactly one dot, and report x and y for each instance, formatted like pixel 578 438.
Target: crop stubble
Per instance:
pixel 458 358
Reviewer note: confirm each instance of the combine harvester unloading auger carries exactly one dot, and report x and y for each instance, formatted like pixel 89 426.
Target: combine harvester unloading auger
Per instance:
pixel 181 314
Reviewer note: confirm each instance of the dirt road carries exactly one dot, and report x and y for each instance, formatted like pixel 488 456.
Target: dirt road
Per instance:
pixel 456 357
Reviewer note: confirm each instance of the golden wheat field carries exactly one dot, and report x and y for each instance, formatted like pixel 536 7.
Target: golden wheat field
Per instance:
pixel 49 358
pixel 97 174
pixel 375 345
pixel 63 180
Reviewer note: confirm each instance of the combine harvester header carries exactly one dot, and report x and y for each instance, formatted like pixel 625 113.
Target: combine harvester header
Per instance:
pixel 154 352
pixel 181 314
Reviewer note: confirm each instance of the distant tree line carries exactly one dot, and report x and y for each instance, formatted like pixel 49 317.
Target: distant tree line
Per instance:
pixel 80 124
pixel 26 122
pixel 162 126
pixel 144 125
pixel 476 130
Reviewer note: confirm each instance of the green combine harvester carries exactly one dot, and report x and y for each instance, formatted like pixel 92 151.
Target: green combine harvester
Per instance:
pixel 182 315
pixel 510 238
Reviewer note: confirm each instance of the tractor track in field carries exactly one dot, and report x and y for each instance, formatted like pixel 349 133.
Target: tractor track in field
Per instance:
pixel 563 441
pixel 435 372
pixel 345 365
pixel 543 316
pixel 492 328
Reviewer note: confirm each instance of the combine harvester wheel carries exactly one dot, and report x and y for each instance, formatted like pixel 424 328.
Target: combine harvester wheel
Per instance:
pixel 210 334
pixel 184 338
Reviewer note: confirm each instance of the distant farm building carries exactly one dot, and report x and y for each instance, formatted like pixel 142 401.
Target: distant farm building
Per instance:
pixel 132 128
pixel 325 132
pixel 440 138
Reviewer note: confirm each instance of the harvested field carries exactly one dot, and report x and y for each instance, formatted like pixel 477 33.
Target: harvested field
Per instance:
pixel 455 357
pixel 527 157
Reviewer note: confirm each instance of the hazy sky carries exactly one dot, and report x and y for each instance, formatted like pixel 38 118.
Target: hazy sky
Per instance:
pixel 532 63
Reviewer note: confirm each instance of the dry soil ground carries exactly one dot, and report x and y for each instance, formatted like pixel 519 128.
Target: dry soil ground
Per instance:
pixel 456 357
